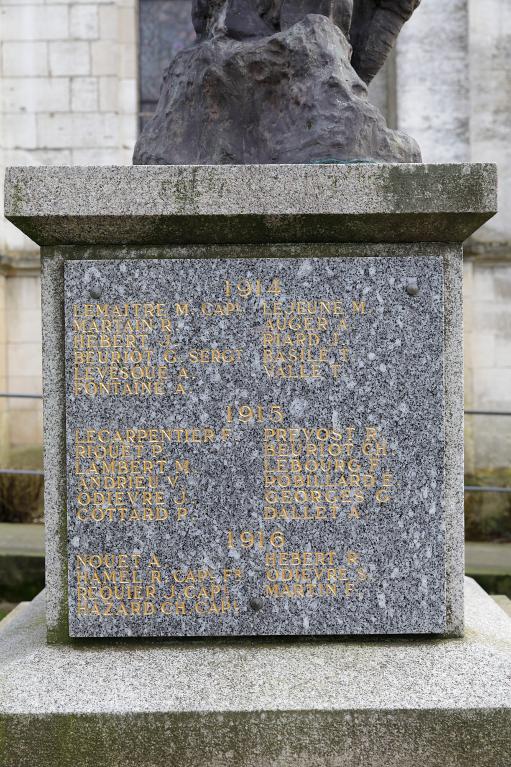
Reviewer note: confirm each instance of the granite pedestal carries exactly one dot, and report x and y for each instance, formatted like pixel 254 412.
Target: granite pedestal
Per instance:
pixel 285 703
pixel 386 238
pixel 395 232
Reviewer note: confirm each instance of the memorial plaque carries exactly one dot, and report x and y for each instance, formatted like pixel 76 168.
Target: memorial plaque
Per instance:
pixel 255 446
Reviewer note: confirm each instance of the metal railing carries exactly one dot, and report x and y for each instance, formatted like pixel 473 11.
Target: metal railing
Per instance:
pixel 468 488
pixel 13 395
pixel 21 472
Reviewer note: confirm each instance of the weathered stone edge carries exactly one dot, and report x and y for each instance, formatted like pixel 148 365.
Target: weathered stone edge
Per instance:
pixel 373 738
pixel 454 495
pixel 250 203
pixel 257 189
pixel 54 430
pixel 436 736
pixel 248 229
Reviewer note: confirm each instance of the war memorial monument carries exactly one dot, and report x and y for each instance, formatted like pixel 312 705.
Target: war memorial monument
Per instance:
pixel 253 384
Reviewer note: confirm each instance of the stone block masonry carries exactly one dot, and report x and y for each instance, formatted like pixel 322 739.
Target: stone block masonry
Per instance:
pixel 68 94
pixel 445 703
pixel 290 211
pixel 458 109
pixel 440 702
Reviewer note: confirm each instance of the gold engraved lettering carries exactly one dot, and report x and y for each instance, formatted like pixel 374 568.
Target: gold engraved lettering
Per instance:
pixel 310 475
pixel 131 586
pixel 225 309
pixel 320 474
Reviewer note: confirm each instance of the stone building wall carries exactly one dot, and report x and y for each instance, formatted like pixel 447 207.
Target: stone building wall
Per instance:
pixel 488 267
pixel 453 93
pixel 69 95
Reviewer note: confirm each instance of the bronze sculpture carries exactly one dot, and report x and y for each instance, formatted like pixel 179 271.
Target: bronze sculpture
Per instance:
pixel 279 81
pixel 371 25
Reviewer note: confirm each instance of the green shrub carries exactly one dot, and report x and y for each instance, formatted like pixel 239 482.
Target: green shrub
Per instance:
pixel 488 515
pixel 21 496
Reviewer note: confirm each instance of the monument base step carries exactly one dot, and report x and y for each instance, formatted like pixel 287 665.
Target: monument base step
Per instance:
pixel 285 703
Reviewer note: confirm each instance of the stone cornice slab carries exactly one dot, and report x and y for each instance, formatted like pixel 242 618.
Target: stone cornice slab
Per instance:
pixel 162 205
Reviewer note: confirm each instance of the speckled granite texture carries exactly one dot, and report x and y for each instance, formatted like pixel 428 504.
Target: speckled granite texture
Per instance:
pixel 252 703
pixel 54 377
pixel 341 362
pixel 412 210
pixel 155 205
